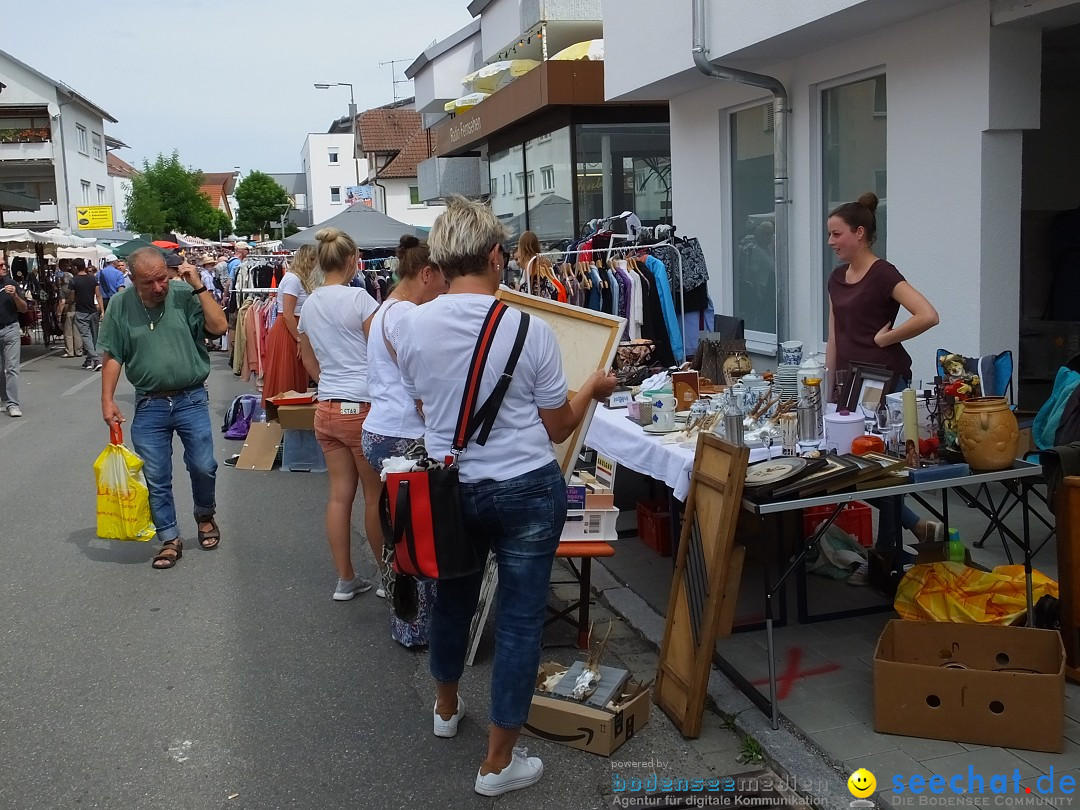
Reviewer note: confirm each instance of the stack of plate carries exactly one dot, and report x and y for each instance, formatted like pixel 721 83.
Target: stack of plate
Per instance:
pixel 786 382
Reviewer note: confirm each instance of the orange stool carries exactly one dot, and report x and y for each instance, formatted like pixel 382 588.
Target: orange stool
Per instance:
pixel 585 551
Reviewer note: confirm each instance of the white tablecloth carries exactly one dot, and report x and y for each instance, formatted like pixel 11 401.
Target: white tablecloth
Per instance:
pixel 613 435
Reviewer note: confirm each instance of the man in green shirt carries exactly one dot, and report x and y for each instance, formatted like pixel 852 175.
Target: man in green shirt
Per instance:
pixel 154 330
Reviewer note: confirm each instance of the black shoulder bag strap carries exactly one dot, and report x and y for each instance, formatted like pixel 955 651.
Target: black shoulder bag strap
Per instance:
pixel 484 417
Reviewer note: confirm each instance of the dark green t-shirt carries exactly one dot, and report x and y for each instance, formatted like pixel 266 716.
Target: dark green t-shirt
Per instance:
pixel 169 357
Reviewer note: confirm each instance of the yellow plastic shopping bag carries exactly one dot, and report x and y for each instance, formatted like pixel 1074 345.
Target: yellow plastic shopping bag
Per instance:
pixel 123 501
pixel 952 592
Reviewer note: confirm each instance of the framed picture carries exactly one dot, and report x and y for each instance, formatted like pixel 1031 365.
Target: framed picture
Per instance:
pixel 836 470
pixel 888 464
pixel 867 387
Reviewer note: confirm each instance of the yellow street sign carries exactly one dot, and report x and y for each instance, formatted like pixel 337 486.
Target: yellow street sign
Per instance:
pixel 94 217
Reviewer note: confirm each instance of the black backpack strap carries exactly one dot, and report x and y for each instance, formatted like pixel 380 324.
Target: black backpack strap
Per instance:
pixel 471 394
pixel 485 416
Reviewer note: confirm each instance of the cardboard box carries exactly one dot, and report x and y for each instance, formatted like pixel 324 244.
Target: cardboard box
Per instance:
pixel 598 731
pixel 299 415
pixel 260 447
pixel 590 525
pixel 974 683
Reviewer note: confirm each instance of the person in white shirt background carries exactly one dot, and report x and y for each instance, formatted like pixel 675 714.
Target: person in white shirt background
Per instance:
pixel 512 489
pixel 333 344
pixel 284 369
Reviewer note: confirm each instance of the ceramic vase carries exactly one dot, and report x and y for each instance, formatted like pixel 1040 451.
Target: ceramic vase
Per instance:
pixel 988 434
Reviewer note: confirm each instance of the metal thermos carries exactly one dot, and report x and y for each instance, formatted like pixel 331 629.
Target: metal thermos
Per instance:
pixel 733 428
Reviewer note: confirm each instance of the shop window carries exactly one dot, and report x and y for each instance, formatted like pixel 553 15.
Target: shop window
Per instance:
pixel 335 194
pixel 624 167
pixel 509 207
pixel 95 140
pixel 414 196
pixel 80 135
pixel 853 160
pixel 547 179
pixel 754 276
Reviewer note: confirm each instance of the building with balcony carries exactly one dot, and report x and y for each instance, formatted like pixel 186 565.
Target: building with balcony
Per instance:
pixel 53 147
pixel 548 149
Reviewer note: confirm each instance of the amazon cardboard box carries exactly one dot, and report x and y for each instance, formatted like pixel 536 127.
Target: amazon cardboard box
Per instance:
pixel 974 683
pixel 293 410
pixel 598 731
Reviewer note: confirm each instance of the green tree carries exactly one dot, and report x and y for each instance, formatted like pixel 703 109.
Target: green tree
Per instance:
pixel 165 197
pixel 260 200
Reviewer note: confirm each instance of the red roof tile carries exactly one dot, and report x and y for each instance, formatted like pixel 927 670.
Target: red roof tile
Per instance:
pixel 387 130
pixel 119 167
pixel 418 149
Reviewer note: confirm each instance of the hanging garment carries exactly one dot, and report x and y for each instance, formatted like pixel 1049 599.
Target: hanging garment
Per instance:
pixel 652 322
pixel 671 321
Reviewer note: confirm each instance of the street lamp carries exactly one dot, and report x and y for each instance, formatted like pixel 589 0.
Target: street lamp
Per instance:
pixel 352 118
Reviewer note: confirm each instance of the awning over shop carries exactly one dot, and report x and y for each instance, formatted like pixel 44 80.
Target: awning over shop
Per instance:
pixel 369 228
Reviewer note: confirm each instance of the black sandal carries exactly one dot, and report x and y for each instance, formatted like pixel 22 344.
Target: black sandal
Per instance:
pixel 209 540
pixel 171 551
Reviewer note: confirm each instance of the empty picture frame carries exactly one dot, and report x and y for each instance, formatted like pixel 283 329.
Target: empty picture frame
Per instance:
pixel 868 385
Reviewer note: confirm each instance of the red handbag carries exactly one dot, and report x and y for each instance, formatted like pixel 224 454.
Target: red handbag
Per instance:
pixel 421 510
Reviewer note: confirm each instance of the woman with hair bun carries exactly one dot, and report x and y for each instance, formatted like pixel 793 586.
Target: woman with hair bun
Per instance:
pixel 394 423
pixel 333 343
pixel 865 296
pixel 284 368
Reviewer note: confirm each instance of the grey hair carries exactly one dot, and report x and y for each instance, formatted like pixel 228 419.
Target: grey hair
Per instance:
pixel 144 256
pixel 463 235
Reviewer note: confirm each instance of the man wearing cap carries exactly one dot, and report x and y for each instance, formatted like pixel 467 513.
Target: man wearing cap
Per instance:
pixel 11 304
pixel 172 265
pixel 111 278
pixel 154 331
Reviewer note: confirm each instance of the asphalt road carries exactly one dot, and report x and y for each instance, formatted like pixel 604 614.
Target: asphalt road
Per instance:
pixel 232 680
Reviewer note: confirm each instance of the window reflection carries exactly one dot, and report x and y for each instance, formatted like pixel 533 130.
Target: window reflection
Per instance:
pixel 624 167
pixel 752 217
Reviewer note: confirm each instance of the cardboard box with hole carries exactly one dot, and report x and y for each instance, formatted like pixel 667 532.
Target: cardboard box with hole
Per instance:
pixel 587 728
pixel 974 683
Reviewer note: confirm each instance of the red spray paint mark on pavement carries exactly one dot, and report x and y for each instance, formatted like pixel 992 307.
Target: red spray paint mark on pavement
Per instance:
pixel 787 679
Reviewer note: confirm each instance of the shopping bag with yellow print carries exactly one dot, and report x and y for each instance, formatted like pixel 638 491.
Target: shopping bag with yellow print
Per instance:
pixel 123 501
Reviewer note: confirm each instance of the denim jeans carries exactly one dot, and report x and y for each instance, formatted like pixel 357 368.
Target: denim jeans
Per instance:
pixel 521 520
pixel 10 353
pixel 152 428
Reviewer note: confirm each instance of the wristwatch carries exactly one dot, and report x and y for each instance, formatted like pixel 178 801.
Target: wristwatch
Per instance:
pixel 199 291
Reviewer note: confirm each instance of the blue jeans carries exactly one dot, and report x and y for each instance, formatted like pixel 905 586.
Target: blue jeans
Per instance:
pixel 152 428
pixel 521 520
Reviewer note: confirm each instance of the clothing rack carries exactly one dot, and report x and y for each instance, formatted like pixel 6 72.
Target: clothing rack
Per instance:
pixel 631 247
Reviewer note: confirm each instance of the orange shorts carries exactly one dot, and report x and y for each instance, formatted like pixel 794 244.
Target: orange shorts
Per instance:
pixel 336 430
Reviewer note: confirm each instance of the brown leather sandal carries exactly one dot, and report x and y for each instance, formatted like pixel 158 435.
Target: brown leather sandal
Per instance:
pixel 171 551
pixel 209 540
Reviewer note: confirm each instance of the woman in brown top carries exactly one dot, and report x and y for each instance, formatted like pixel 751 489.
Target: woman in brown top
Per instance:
pixel 865 296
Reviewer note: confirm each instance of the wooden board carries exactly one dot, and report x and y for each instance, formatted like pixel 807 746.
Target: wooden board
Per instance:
pixel 588 341
pixel 1068 552
pixel 706 576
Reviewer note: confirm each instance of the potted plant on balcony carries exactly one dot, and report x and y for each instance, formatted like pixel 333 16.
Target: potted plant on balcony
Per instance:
pixel 9 135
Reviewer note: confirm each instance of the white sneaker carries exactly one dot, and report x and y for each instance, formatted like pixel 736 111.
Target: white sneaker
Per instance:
pixel 448 728
pixel 14 410
pixel 347 589
pixel 522 772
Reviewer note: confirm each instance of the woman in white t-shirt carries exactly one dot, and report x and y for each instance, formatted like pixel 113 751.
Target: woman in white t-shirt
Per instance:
pixel 333 343
pixel 513 492
pixel 284 369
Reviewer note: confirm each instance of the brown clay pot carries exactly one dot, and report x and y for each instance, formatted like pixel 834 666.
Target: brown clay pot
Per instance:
pixel 988 434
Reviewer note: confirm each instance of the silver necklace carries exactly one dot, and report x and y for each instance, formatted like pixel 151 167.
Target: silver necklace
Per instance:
pixel 148 320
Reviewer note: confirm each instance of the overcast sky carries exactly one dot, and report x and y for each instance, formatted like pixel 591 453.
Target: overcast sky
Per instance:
pixel 226 82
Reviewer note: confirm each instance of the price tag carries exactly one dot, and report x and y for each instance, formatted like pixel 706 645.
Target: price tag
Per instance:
pixel 350 408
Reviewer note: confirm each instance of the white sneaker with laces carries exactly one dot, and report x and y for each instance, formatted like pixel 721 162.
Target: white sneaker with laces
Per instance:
pixel 448 728
pixel 348 588
pixel 522 772
pixel 14 410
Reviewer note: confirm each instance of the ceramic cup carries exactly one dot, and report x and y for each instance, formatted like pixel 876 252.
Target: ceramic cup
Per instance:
pixel 791 352
pixel 663 412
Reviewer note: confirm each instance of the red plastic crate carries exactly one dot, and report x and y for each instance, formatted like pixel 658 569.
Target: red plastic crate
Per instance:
pixel 654 525
pixel 856 520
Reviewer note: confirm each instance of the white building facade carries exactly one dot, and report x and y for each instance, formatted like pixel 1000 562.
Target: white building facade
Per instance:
pixel 327 162
pixel 52 148
pixel 957 114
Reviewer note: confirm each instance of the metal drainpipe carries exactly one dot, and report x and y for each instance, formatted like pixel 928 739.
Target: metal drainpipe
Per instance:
pixel 780 158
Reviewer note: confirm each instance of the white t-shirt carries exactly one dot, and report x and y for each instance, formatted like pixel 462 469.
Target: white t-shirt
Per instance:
pixel 434 351
pixel 333 320
pixel 290 283
pixel 393 411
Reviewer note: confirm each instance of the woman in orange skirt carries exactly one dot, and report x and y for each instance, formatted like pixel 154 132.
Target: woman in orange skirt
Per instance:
pixel 284 369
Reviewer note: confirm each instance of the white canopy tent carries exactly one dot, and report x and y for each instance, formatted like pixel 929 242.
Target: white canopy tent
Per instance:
pixel 15 240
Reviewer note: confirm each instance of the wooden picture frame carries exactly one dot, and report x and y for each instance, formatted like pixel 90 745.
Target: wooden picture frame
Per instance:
pixel 888 464
pixel 865 381
pixel 588 341
pixel 836 469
